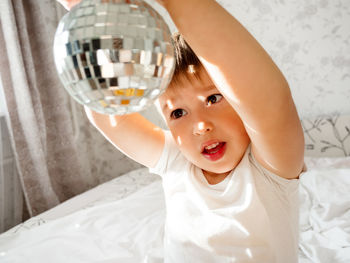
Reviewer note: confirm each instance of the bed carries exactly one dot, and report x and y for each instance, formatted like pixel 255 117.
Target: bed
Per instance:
pixel 123 220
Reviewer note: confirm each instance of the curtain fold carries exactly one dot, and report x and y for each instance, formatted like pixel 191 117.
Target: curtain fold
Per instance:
pixel 53 163
pixel 38 106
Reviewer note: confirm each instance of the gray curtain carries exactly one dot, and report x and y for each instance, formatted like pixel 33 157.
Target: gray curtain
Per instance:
pixel 59 154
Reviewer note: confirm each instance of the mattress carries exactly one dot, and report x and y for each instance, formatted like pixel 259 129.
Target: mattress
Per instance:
pixel 123 220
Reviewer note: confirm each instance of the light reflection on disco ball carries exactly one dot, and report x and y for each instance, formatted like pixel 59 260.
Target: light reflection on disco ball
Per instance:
pixel 114 56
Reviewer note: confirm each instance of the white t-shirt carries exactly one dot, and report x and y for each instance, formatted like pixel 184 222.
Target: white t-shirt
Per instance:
pixel 251 216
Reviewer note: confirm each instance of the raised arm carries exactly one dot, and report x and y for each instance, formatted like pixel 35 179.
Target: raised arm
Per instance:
pixel 132 134
pixel 249 80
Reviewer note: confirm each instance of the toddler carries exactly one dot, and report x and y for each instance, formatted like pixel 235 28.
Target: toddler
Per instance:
pixel 231 159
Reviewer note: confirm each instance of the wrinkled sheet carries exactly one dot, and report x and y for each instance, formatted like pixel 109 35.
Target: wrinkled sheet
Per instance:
pixel 127 230
pixel 325 211
pixel 131 229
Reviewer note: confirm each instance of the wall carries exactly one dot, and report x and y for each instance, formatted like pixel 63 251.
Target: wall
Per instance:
pixel 310 41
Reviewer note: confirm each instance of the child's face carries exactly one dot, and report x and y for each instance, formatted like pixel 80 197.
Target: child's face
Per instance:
pixel 206 128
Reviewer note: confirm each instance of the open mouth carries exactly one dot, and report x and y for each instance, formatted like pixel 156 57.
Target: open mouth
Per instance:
pixel 214 151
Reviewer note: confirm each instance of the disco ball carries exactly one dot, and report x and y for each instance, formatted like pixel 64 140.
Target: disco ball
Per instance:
pixel 115 56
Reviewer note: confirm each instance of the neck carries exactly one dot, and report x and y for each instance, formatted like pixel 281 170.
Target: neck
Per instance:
pixel 215 178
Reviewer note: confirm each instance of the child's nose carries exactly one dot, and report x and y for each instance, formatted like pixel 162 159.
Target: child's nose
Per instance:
pixel 202 127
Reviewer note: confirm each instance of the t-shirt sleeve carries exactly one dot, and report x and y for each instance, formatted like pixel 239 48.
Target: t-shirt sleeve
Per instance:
pixel 280 183
pixel 170 155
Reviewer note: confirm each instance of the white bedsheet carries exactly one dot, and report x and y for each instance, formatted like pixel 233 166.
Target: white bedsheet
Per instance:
pixel 131 229
pixel 127 230
pixel 325 211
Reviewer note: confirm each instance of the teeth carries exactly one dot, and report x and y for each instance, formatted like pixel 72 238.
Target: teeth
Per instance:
pixel 211 146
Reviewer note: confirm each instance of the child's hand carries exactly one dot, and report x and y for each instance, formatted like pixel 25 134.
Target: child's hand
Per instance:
pixel 69 4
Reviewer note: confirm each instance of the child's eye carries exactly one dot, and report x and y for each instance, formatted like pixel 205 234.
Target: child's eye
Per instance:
pixel 178 113
pixel 213 99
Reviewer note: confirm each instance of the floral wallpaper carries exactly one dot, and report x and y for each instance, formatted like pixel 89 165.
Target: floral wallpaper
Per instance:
pixel 310 42
pixel 327 135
